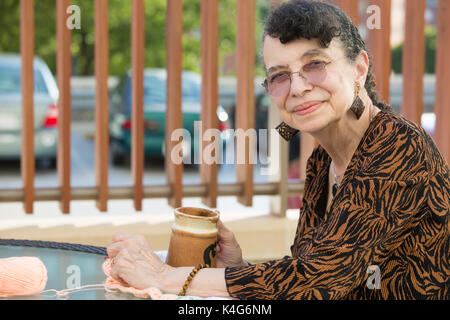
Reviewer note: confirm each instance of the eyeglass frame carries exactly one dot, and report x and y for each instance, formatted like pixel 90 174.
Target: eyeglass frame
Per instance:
pixel 266 85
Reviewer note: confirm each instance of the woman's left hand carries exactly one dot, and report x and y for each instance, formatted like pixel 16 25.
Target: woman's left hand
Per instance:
pixel 135 263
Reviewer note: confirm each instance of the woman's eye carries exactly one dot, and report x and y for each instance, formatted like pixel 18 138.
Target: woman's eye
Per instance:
pixel 278 77
pixel 314 65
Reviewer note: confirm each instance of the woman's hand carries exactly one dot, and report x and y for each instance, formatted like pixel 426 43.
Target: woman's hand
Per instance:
pixel 135 263
pixel 229 253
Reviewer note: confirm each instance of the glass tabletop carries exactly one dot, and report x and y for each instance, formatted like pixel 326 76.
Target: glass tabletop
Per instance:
pixel 67 269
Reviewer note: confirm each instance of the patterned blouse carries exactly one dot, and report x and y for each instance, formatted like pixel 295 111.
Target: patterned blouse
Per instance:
pixel 385 235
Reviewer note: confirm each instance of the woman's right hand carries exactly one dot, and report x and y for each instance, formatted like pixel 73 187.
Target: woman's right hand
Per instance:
pixel 228 251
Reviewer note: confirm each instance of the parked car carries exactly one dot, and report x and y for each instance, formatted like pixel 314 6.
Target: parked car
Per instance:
pixel 155 115
pixel 45 110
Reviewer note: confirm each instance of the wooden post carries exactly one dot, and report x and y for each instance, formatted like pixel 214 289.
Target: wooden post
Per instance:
pixel 210 36
pixel 64 70
pixel 101 103
pixel 350 7
pixel 278 155
pixel 174 115
pixel 137 98
pixel 380 48
pixel 413 64
pixel 442 97
pixel 278 165
pixel 27 83
pixel 245 97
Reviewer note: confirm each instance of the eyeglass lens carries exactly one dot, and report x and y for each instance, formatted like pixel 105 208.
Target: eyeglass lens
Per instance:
pixel 313 73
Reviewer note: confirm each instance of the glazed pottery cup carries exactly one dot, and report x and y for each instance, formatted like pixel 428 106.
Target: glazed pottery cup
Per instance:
pixel 194 237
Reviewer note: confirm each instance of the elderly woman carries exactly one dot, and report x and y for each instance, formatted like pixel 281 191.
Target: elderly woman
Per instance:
pixel 377 188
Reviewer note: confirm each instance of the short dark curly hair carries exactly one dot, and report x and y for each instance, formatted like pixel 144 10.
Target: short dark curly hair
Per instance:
pixel 302 19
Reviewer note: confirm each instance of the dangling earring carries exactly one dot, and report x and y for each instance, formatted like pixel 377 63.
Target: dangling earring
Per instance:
pixel 286 131
pixel 358 105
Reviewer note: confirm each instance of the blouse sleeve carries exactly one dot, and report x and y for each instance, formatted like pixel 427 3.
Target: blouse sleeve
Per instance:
pixel 333 258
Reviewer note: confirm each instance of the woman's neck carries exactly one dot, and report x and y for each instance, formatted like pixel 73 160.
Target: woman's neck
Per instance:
pixel 340 139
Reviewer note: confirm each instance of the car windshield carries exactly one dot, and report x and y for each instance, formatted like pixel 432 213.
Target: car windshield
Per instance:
pixel 10 81
pixel 155 90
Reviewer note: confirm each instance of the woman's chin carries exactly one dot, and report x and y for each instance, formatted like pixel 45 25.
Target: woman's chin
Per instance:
pixel 309 126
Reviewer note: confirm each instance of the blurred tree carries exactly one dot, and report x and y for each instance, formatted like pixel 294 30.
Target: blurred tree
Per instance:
pixel 430 52
pixel 83 39
pixel 9 24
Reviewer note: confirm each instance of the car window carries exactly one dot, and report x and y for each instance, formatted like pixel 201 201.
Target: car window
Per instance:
pixel 10 80
pixel 191 90
pixel 154 90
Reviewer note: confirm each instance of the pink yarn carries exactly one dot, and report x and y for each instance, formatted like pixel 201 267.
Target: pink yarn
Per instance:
pixel 25 276
pixel 22 276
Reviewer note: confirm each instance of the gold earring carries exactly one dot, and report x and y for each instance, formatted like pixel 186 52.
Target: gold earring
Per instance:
pixel 286 131
pixel 357 106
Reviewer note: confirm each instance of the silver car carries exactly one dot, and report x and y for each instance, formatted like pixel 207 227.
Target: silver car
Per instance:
pixel 45 110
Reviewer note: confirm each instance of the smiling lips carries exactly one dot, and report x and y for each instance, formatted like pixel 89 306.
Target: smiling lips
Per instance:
pixel 307 107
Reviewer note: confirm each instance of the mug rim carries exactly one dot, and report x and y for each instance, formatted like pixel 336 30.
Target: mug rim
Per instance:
pixel 213 215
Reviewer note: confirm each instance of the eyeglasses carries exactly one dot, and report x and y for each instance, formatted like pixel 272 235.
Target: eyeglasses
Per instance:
pixel 279 84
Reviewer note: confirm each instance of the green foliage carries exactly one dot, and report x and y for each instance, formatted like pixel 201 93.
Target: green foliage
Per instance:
pixel 430 52
pixel 9 21
pixel 119 20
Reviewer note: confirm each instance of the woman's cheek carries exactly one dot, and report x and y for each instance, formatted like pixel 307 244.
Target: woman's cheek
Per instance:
pixel 333 82
pixel 280 102
pixel 341 93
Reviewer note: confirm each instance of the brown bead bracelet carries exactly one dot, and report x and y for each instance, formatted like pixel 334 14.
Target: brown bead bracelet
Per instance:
pixel 190 277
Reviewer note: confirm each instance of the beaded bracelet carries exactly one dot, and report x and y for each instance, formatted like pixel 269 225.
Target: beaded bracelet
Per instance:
pixel 190 277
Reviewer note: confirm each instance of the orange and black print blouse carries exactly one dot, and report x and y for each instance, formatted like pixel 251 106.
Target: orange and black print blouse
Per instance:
pixel 385 235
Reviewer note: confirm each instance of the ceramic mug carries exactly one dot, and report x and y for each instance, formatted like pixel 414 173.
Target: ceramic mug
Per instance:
pixel 194 237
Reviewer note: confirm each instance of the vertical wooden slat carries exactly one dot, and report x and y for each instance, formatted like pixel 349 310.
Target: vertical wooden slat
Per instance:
pixel 27 82
pixel 174 115
pixel 442 96
pixel 380 48
pixel 137 98
pixel 413 64
pixel 350 7
pixel 245 100
pixel 209 56
pixel 279 156
pixel 101 103
pixel 63 66
pixel 278 165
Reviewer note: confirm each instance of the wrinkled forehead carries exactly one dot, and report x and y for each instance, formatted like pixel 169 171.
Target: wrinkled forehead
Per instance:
pixel 277 55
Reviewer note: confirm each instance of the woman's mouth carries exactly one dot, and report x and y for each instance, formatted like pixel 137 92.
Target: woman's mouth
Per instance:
pixel 309 109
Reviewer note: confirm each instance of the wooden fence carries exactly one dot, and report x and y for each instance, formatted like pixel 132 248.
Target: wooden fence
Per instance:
pixel 209 188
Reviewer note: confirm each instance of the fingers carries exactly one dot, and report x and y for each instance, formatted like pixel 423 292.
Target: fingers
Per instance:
pixel 224 233
pixel 121 265
pixel 113 249
pixel 123 239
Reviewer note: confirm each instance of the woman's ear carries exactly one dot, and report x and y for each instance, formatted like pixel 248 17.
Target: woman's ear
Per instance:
pixel 362 67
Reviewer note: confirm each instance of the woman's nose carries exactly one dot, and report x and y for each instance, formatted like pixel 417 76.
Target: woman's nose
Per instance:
pixel 299 84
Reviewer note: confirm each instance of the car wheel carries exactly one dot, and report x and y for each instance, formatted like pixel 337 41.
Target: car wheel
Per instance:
pixel 118 158
pixel 46 163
